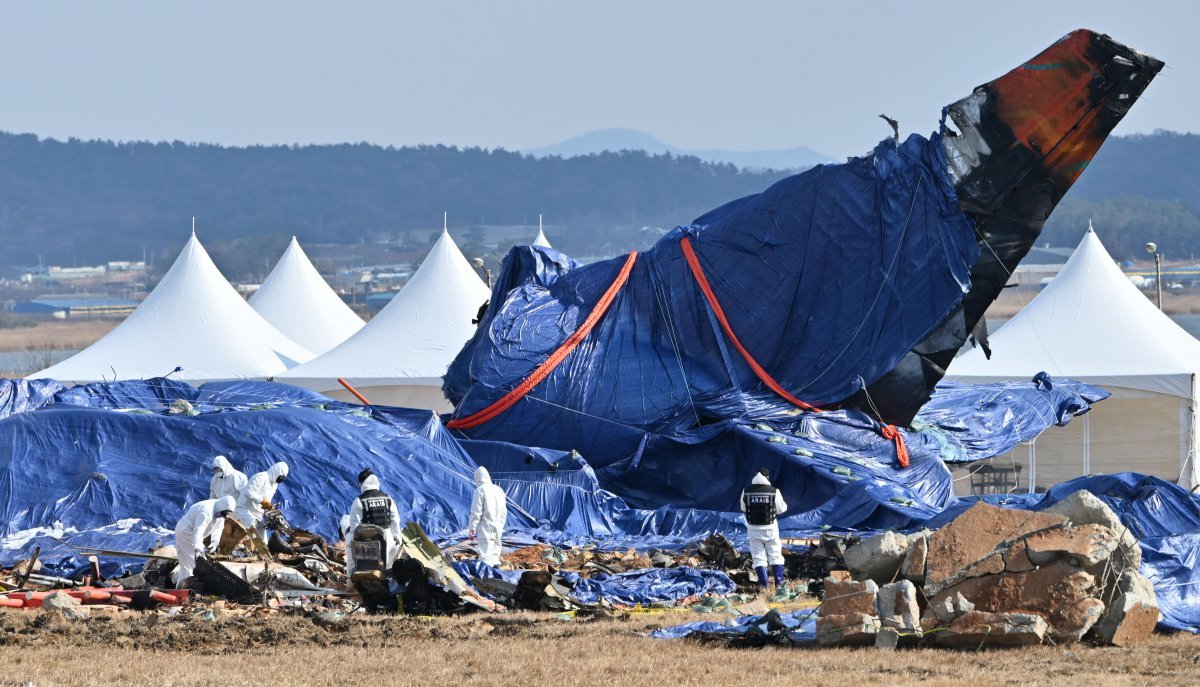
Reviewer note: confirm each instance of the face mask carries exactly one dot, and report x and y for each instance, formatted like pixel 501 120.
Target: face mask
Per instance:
pixel 218 472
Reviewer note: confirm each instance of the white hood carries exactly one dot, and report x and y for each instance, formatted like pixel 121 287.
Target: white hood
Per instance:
pixel 760 479
pixel 369 483
pixel 482 477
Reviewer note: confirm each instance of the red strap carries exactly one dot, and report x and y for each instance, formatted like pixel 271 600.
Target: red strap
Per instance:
pixel 544 370
pixel 698 273
pixel 890 432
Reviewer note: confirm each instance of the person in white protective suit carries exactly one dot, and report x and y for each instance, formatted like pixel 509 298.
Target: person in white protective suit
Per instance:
pixel 226 481
pixel 256 498
pixel 489 509
pixel 763 504
pixel 373 507
pixel 190 531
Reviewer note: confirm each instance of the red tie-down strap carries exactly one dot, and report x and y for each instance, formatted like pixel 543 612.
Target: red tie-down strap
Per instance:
pixel 538 375
pixel 698 272
pixel 890 432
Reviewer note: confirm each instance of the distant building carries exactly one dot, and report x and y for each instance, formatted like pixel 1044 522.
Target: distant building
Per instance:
pixel 376 301
pixel 76 306
pixel 68 273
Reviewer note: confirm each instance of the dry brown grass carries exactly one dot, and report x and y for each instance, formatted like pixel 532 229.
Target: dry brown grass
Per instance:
pixel 520 649
pixel 56 334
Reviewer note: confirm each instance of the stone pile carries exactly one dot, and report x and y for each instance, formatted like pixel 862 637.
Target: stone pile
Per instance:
pixel 995 576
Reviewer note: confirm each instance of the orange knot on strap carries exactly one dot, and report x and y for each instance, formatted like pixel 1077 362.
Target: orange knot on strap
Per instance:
pixel 890 432
pixel 537 376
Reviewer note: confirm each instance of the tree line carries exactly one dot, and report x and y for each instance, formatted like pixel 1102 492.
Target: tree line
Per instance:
pixel 83 202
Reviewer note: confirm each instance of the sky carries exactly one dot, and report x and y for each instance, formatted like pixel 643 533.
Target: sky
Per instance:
pixel 696 74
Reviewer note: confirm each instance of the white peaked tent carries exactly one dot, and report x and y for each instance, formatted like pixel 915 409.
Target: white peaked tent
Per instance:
pixel 298 302
pixel 541 241
pixel 400 356
pixel 194 320
pixel 1092 324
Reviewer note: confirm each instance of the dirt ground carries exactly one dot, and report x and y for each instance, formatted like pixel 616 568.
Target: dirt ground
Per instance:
pixel 44 649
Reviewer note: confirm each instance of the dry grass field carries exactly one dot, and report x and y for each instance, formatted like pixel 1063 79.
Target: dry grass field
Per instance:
pixel 521 649
pixel 56 334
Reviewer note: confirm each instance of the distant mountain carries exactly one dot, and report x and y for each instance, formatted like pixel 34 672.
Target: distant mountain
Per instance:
pixel 616 140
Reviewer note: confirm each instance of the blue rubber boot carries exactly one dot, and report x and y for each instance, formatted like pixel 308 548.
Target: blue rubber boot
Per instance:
pixel 762 576
pixel 777 571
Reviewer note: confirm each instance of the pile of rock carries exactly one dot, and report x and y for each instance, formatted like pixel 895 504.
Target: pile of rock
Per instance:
pixel 995 576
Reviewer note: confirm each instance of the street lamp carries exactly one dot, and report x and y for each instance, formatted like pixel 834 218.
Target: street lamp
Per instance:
pixel 1152 249
pixel 487 273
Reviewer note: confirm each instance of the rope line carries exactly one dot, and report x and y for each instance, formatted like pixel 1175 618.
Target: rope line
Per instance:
pixel 538 375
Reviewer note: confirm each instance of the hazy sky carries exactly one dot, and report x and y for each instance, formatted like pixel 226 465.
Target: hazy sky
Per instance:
pixel 697 74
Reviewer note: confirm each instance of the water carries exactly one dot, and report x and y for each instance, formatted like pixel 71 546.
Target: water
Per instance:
pixel 21 363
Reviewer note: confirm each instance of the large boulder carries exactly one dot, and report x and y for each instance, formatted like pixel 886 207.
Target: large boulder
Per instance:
pixel 897 606
pixel 1062 594
pixel 847 597
pixel 1132 615
pixel 1085 545
pixel 877 558
pixel 978 628
pixel 855 629
pixel 973 543
pixel 1085 508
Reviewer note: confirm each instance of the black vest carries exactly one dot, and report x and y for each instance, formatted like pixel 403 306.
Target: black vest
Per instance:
pixel 376 508
pixel 759 500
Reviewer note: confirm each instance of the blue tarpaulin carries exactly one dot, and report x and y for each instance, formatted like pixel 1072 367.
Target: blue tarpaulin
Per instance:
pixel 114 466
pixel 645 587
pixel 828 278
pixel 801 624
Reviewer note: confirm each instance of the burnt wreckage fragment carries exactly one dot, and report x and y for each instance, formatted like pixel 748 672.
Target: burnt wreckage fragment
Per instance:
pixel 1022 141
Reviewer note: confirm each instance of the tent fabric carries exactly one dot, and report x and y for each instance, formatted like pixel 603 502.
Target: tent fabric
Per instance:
pixel 413 339
pixel 298 302
pixel 193 320
pixel 828 277
pixel 1092 324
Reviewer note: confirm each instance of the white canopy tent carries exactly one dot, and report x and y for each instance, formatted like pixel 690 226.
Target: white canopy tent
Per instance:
pixel 400 356
pixel 297 301
pixel 1093 325
pixel 194 320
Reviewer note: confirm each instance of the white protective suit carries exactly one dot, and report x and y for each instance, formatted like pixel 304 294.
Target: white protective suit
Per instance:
pixel 765 547
pixel 355 519
pixel 189 533
pixel 489 510
pixel 261 487
pixel 226 481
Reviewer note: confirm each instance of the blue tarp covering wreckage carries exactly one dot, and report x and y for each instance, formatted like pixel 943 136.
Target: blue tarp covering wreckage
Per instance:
pixel 114 465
